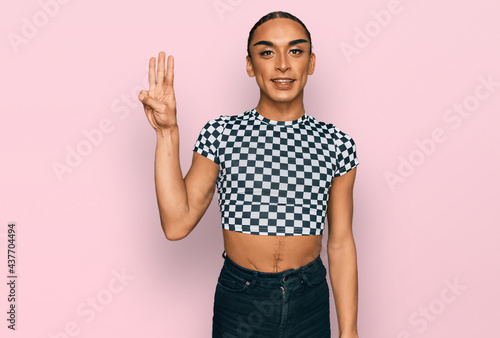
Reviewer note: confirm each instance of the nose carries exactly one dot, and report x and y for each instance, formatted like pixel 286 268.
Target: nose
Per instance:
pixel 282 63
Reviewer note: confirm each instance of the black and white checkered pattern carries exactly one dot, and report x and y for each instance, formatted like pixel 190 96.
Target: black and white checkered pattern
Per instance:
pixel 275 176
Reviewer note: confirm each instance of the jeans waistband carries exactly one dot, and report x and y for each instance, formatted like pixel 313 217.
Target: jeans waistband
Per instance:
pixel 273 277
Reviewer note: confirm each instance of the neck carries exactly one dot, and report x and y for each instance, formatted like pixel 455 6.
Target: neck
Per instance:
pixel 281 111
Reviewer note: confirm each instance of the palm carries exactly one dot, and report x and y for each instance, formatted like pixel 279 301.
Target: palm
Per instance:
pixel 159 101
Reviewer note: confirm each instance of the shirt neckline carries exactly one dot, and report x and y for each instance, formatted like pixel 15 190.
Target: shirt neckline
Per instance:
pixel 279 123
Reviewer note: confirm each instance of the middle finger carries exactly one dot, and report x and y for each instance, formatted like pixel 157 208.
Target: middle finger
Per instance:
pixel 160 78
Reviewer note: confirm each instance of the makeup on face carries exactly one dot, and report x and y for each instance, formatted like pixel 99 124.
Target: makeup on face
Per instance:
pixel 291 43
pixel 280 62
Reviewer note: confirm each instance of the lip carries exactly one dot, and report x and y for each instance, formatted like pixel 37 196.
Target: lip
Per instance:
pixel 283 82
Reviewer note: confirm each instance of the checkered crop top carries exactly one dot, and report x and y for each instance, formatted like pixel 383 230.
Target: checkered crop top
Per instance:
pixel 275 176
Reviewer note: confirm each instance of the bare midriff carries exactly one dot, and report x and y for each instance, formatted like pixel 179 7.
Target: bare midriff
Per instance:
pixel 271 253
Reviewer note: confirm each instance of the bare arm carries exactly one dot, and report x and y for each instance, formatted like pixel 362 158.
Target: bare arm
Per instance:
pixel 342 253
pixel 181 201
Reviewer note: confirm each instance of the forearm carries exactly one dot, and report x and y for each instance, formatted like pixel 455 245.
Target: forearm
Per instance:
pixel 170 186
pixel 344 279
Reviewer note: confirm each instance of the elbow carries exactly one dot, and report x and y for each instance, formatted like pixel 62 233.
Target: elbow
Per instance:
pixel 172 232
pixel 174 237
pixel 345 244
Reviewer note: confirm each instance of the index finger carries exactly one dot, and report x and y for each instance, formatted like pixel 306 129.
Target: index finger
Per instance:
pixel 151 74
pixel 170 71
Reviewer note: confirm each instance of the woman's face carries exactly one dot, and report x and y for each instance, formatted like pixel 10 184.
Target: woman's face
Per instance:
pixel 280 60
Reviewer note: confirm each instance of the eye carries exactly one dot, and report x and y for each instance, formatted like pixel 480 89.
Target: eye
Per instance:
pixel 265 53
pixel 296 51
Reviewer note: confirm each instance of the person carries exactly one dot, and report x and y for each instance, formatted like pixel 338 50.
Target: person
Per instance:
pixel 278 172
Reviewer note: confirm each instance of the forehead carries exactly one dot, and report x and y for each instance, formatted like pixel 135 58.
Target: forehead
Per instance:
pixel 279 30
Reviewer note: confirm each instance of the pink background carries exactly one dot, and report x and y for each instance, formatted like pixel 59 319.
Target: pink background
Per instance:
pixel 427 243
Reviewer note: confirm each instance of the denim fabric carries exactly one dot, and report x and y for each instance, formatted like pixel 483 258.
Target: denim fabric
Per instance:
pixel 293 303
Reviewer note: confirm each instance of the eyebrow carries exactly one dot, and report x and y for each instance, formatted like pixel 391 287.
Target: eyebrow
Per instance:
pixel 269 43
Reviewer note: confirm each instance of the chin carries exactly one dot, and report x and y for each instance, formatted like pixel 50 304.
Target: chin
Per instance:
pixel 284 98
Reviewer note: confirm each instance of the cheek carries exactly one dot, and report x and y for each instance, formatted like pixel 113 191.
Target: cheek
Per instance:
pixel 259 68
pixel 303 71
pixel 261 73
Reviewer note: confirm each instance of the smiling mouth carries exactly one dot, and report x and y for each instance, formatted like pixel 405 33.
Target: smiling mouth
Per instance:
pixel 283 81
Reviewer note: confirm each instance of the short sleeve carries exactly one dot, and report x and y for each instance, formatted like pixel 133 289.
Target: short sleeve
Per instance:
pixel 345 152
pixel 208 140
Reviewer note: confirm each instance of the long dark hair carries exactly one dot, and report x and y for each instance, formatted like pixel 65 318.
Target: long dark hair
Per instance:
pixel 274 15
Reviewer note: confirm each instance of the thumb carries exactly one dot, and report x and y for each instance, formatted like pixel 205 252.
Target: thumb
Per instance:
pixel 143 95
pixel 147 100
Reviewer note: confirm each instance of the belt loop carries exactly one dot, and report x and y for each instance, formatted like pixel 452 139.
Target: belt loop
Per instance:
pixel 254 279
pixel 304 276
pixel 224 254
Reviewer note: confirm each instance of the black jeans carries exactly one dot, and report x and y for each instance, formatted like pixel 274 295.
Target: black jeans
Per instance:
pixel 293 303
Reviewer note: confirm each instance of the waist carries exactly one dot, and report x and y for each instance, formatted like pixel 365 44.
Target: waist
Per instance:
pixel 274 278
pixel 271 253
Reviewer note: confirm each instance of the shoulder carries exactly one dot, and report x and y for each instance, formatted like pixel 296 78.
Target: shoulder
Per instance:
pixel 222 122
pixel 331 131
pixel 216 122
pixel 224 119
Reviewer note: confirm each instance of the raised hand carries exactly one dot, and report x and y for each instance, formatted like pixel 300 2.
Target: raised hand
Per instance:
pixel 159 101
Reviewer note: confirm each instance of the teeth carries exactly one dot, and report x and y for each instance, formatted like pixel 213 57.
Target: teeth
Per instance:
pixel 283 81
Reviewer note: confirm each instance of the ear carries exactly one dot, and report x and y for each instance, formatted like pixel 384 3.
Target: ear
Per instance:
pixel 312 64
pixel 250 70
